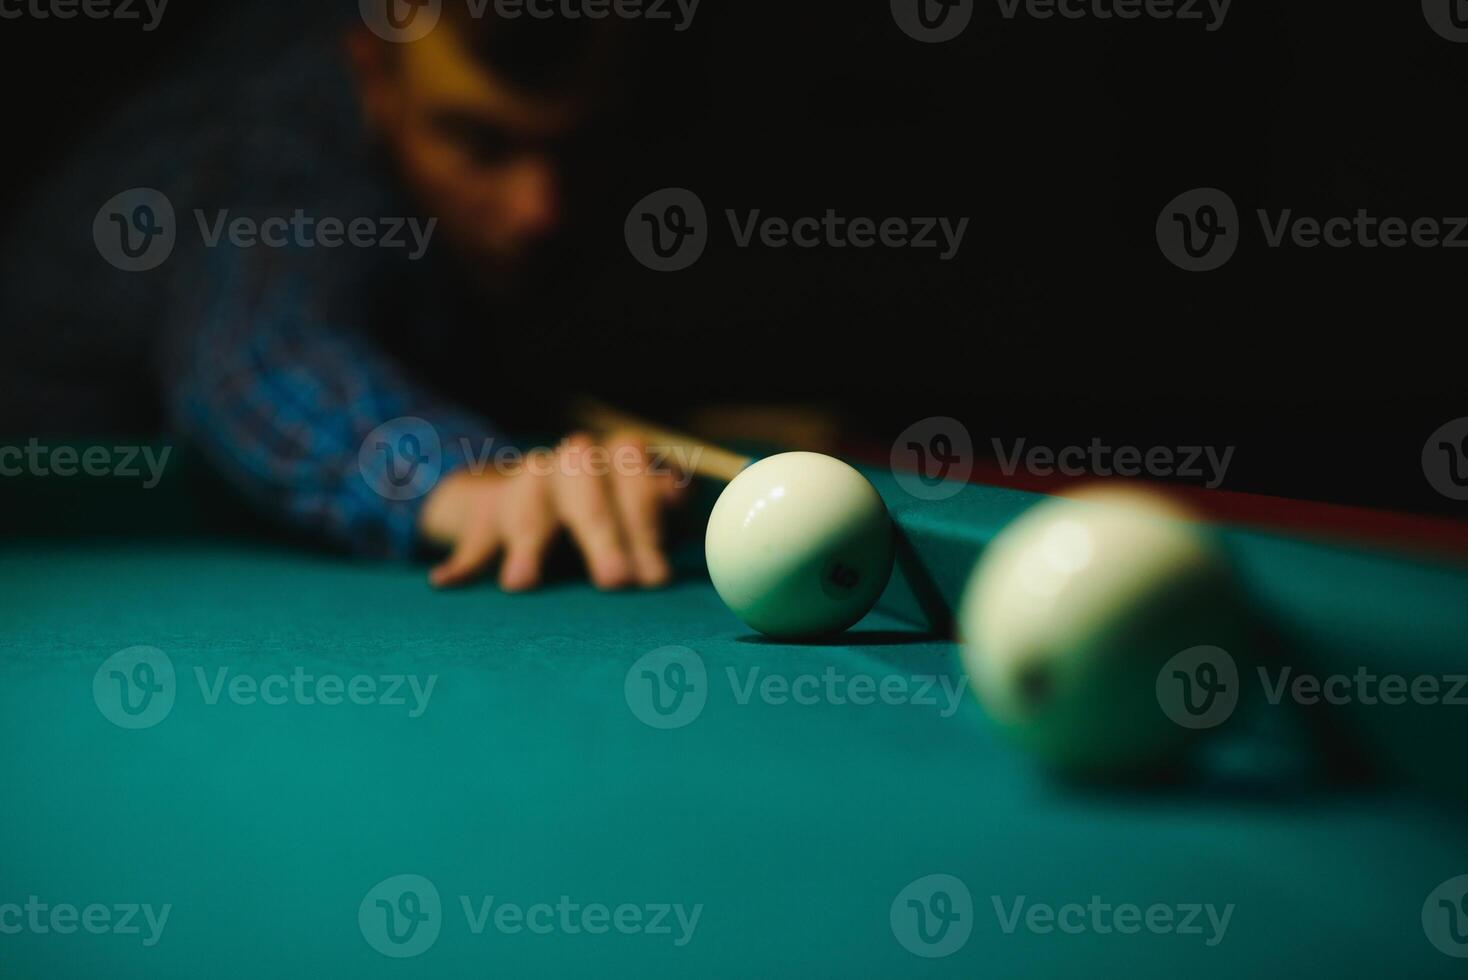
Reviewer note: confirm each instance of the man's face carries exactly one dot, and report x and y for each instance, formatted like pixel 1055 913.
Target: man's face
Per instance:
pixel 477 154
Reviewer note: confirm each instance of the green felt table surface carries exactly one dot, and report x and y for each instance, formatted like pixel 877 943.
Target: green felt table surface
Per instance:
pixel 531 774
pixel 1328 608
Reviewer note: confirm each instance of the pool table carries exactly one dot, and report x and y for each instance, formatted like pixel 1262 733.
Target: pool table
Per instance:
pixel 317 766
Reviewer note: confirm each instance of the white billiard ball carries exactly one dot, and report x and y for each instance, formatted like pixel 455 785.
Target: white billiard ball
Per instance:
pixel 799 545
pixel 1071 614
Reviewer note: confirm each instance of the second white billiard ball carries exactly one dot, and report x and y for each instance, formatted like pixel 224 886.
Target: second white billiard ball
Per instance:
pixel 800 545
pixel 1073 611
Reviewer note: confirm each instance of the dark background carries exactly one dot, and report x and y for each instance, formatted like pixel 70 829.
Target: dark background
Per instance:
pixel 1059 320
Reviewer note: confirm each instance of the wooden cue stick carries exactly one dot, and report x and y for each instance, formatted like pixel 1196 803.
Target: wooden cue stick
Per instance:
pixel 700 457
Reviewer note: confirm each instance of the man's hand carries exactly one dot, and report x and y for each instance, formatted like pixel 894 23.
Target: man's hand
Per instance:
pixel 608 497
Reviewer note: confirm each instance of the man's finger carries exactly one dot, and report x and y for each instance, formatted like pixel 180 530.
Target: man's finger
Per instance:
pixel 529 527
pixel 637 494
pixel 474 551
pixel 583 502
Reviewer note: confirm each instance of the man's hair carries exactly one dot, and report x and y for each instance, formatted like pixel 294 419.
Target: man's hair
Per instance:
pixel 540 55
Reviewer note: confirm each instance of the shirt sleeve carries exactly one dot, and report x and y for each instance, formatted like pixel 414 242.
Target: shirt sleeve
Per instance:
pixel 297 407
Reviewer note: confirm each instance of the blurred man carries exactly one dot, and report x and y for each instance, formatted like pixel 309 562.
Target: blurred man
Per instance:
pixel 349 231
